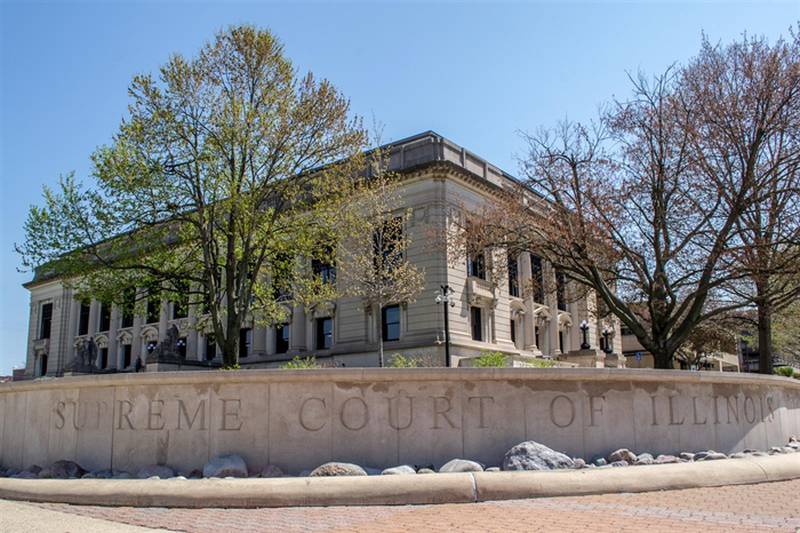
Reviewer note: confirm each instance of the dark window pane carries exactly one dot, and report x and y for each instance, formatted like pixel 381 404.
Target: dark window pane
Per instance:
pixel 390 323
pixel 324 333
pixel 282 338
pixel 386 243
pixel 477 327
pixel 126 355
pixel 513 330
pixel 538 278
pixel 83 319
pixel 103 358
pixel 105 317
pixel 46 321
pixel 211 347
pixel 245 338
pixel 513 276
pixel 127 308
pixel 476 266
pixel 43 369
pixel 325 271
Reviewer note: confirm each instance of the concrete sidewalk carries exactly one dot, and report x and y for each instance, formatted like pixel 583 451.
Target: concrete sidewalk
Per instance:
pixel 20 517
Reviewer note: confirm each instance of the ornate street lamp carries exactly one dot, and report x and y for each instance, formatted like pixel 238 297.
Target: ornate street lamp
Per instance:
pixel 445 296
pixel 607 332
pixel 585 330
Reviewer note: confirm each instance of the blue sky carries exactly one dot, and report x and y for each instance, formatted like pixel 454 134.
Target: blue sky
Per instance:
pixel 475 72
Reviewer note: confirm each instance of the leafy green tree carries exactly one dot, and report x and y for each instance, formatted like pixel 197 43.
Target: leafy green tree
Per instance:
pixel 227 174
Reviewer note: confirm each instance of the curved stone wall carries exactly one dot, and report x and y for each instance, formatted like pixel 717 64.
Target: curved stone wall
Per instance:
pixel 378 418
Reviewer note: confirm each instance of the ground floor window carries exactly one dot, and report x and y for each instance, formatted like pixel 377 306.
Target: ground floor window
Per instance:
pixel 324 333
pixel 390 323
pixel 513 330
pixel 211 347
pixel 477 325
pixel 245 341
pixel 282 338
pixel 127 350
pixel 103 358
pixel 561 341
pixel 43 365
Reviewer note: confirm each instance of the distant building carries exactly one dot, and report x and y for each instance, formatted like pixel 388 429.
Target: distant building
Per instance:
pixel 441 180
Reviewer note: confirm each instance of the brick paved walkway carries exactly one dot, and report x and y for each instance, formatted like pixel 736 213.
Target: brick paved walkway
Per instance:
pixel 744 508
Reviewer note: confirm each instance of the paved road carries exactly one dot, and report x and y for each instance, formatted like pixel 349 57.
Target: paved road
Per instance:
pixel 745 508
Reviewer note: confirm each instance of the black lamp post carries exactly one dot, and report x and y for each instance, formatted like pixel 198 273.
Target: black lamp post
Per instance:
pixel 445 296
pixel 585 330
pixel 606 335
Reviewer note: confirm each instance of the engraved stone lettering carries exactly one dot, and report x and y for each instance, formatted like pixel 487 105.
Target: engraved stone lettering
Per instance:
pixel 732 408
pixel 595 409
pixel 672 420
pixel 304 421
pixel 441 406
pixel 394 412
pixel 128 405
pixel 562 421
pixel 360 407
pixel 654 421
pixel 183 414
pixel 481 406
pixel 716 409
pixel 60 414
pixel 697 422
pixel 749 411
pixel 155 420
pixel 230 414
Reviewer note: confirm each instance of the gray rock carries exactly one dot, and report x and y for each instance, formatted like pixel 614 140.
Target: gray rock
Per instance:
pixel 11 471
pixel 712 456
pixel 623 454
pixel 687 456
pixel 644 459
pixel 66 470
pixel 531 455
pixel 155 472
pixel 25 475
pixel 578 463
pixel 749 450
pixel 271 471
pixel 2 472
pixel 225 466
pixel 738 455
pixel 666 459
pixel 399 471
pixel 122 475
pixel 493 469
pixel 338 469
pixel 619 463
pixel 599 461
pixel 182 478
pixel 45 473
pixel 34 469
pixel 426 471
pixel 460 465
pixel 758 454
pixel 108 474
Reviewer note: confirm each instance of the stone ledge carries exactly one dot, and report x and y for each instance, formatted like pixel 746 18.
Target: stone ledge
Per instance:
pixel 400 490
pixel 395 374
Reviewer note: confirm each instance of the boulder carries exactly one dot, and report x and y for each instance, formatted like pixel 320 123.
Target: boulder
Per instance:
pixel 493 469
pixel 578 463
pixel 711 456
pixel 399 470
pixel 599 461
pixel 623 454
pixel 738 455
pixel 687 456
pixel 666 459
pixel 271 471
pixel 531 455
pixel 226 466
pixel 25 475
pixel 619 463
pixel 644 459
pixel 155 472
pixel 460 465
pixel 34 469
pixel 338 469
pixel 66 470
pixel 426 471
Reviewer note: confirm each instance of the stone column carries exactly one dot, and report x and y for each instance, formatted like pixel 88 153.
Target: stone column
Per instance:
pixel 297 339
pixel 163 319
pixel 552 298
pixel 113 352
pixel 259 341
pixel 192 343
pixel 94 311
pixel 269 339
pixel 136 331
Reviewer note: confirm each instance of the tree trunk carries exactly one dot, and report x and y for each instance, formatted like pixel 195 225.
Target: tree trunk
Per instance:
pixel 663 359
pixel 765 339
pixel 380 336
pixel 230 351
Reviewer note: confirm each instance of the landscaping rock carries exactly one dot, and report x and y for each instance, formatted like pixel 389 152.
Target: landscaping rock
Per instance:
pixel 623 454
pixel 372 471
pixel 493 469
pixel 460 465
pixel 338 469
pixel 66 470
pixel 666 459
pixel 25 475
pixel 579 463
pixel 531 455
pixel 711 456
pixel 619 463
pixel 738 455
pixel 644 459
pixel 399 471
pixel 271 471
pixel 687 456
pixel 155 472
pixel 426 471
pixel 599 461
pixel 34 469
pixel 225 466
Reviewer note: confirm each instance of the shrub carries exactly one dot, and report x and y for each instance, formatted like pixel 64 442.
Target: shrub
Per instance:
pixel 234 366
pixel 541 363
pixel 299 363
pixel 401 361
pixel 491 359
pixel 785 371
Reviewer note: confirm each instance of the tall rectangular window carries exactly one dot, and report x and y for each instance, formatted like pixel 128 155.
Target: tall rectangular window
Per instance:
pixel 245 341
pixel 324 333
pixel 211 347
pixel 323 268
pixel 513 330
pixel 513 276
pixel 537 278
pixel 561 291
pixel 83 318
pixel 153 304
pixel 561 341
pixel 43 363
pixel 476 323
pixel 127 308
pixel 105 317
pixel 282 338
pixel 476 266
pixel 46 320
pixel 127 350
pixel 390 323
pixel 103 358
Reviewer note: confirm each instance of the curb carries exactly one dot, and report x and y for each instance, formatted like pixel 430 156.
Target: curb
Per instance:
pixel 400 490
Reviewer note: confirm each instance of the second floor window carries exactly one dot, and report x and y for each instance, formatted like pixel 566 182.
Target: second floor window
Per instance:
pixel 325 271
pixel 245 341
pixel 390 323
pixel 476 266
pixel 282 338
pixel 105 317
pixel 387 243
pixel 324 333
pixel 180 306
pixel 537 279
pixel 46 320
pixel 476 323
pixel 83 318
pixel 127 308
pixel 513 276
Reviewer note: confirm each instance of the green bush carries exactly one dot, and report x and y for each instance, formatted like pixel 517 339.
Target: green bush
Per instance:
pixel 234 366
pixel 491 359
pixel 785 371
pixel 299 363
pixel 541 363
pixel 401 361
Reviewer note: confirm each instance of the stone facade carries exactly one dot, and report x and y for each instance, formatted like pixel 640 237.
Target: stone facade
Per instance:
pixel 441 181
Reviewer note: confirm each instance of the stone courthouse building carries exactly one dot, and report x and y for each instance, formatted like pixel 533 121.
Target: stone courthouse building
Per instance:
pixel 441 181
